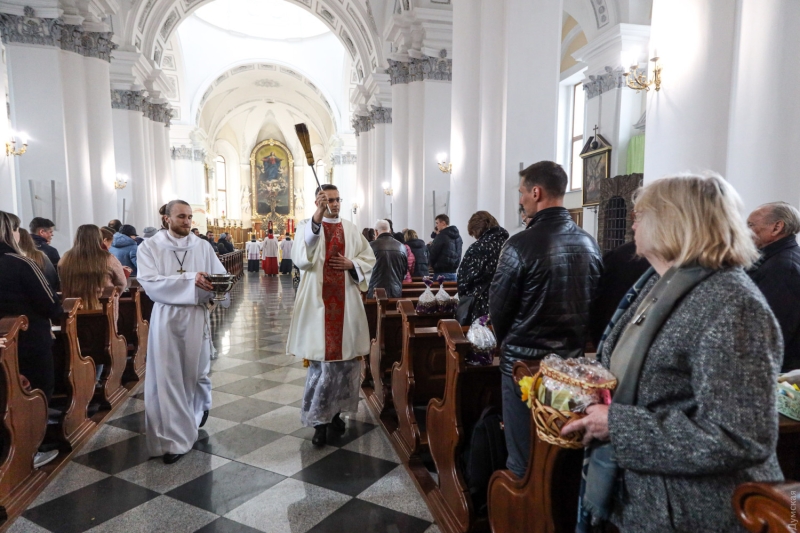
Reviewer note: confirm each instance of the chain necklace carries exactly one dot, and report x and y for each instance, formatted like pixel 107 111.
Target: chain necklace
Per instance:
pixel 180 261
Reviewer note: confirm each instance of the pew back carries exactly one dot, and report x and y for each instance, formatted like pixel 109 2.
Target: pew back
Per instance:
pixel 767 507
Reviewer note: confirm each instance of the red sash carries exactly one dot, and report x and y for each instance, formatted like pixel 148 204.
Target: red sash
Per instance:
pixel 333 292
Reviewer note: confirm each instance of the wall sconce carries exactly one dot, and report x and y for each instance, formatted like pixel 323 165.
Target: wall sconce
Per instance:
pixel 121 181
pixel 11 146
pixel 355 208
pixel 444 166
pixel 387 189
pixel 638 81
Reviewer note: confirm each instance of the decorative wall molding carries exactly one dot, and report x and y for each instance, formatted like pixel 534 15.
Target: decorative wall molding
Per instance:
pixel 600 12
pixel 30 29
pixel 426 68
pixel 181 152
pixel 343 159
pixel 597 85
pixel 128 100
pixel 200 155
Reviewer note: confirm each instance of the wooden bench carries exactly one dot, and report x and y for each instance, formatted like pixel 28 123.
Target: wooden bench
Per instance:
pixel 98 338
pixel 767 507
pixel 371 309
pixel 419 376
pixel 135 329
pixel 75 380
pixel 545 500
pixel 145 303
pixel 24 421
pixel 468 391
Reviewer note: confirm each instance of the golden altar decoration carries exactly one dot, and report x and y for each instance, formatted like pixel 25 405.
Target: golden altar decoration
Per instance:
pixel 272 185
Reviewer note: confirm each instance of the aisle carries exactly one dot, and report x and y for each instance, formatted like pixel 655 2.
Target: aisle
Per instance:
pixel 253 468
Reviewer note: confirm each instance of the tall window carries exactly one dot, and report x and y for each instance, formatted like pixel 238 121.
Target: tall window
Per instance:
pixel 578 111
pixel 222 187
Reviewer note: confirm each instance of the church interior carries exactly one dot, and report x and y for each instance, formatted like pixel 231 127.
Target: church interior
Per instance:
pixel 414 108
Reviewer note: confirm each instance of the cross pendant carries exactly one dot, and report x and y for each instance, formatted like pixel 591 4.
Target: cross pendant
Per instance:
pixel 181 271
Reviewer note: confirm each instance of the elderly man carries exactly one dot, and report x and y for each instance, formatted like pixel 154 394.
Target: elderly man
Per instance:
pixel 777 272
pixel 390 262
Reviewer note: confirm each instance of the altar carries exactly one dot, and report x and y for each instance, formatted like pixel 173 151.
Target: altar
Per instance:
pixel 272 187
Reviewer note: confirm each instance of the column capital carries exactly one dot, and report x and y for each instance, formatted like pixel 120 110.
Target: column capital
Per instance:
pixel 438 68
pixel 347 158
pixel 129 100
pixel 158 112
pixel 610 80
pixel 361 124
pixel 181 152
pixel 380 115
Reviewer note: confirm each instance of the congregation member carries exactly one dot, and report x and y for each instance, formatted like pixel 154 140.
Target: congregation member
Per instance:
pixel 396 235
pixel 391 263
pixel 269 251
pixel 445 250
pixel 622 267
pixel 25 291
pixel 777 271
pixel 419 250
pixel 369 234
pixel 42 230
pixel 114 225
pixel 410 261
pixel 286 254
pixel 86 269
pixel 124 247
pixel 540 295
pixel 329 325
pixel 196 232
pixel 693 414
pixel 148 232
pixel 173 266
pixel 214 245
pixel 253 251
pixel 477 269
pixel 226 240
pixel 29 250
pixel 108 237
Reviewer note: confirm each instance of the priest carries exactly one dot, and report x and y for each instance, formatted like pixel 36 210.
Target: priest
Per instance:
pixel 173 265
pixel 329 325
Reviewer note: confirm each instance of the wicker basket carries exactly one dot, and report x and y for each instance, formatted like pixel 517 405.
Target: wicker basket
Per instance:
pixel 550 421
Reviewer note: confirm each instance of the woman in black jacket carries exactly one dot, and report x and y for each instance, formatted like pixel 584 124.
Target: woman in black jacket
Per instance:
pixel 25 291
pixel 419 250
pixel 476 270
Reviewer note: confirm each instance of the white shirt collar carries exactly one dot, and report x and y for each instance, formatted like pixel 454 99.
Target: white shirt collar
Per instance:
pixel 331 220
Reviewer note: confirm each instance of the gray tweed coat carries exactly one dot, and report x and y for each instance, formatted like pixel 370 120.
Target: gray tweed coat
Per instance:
pixel 704 420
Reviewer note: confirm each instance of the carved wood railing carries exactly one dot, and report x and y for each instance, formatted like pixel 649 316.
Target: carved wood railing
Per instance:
pixel 767 507
pixel 132 325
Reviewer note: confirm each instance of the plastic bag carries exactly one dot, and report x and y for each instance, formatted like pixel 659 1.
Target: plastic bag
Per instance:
pixel 568 397
pixel 427 304
pixel 443 300
pixel 589 371
pixel 484 343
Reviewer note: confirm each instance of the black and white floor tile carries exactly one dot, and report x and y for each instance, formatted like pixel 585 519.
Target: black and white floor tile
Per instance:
pixel 253 468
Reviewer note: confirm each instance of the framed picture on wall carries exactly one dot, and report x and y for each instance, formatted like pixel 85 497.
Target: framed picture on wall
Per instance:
pixel 596 155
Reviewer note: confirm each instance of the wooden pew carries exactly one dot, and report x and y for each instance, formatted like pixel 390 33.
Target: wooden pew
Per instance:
pixel 419 376
pixel 545 500
pixel 385 350
pixel 468 391
pixel 371 309
pixel 767 507
pixel 75 388
pixel 788 449
pixel 99 339
pixel 135 329
pixel 145 303
pixel 24 419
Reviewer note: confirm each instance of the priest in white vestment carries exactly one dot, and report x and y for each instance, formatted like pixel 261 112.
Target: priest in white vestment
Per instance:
pixel 253 251
pixel 329 325
pixel 177 390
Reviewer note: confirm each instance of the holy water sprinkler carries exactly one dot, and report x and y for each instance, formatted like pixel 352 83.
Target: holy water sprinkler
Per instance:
pixel 305 140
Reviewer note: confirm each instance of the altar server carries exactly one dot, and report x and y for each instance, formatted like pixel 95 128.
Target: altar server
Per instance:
pixel 329 324
pixel 173 265
pixel 269 251
pixel 253 250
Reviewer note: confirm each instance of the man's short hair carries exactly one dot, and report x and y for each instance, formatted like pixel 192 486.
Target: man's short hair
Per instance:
pixel 115 225
pixel 443 218
pixel 382 226
pixel 783 212
pixel 40 223
pixel 326 187
pixel 195 231
pixel 548 175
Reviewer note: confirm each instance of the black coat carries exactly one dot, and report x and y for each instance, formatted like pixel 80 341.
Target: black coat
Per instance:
pixel 52 255
pixel 777 274
pixel 25 291
pixel 225 246
pixel 445 251
pixel 542 289
pixel 621 269
pixel 390 267
pixel 420 252
pixel 477 270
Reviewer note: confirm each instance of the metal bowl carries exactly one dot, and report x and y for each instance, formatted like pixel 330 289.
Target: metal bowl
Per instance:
pixel 222 284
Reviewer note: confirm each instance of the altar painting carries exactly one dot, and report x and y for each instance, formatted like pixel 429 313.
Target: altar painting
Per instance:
pixel 272 177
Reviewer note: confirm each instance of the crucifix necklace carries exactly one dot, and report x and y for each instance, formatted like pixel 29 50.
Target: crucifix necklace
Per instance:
pixel 180 261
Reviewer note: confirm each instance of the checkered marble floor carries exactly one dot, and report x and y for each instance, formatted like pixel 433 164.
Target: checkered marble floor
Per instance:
pixel 253 468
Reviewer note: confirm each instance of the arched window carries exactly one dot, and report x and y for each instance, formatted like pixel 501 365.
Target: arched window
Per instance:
pixel 616 223
pixel 222 187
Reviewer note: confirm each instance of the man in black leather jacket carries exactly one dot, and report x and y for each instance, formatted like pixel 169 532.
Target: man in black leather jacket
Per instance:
pixel 390 262
pixel 445 250
pixel 540 295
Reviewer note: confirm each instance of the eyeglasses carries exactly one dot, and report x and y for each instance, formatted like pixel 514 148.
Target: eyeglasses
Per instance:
pixel 335 200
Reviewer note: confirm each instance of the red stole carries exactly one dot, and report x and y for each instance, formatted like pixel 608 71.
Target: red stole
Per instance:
pixel 333 292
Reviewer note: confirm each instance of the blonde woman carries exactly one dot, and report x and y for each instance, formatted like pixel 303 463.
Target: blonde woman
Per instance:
pixel 86 269
pixel 697 354
pixel 28 247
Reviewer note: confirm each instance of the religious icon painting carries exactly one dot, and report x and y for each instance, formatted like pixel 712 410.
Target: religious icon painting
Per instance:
pixel 272 182
pixel 596 155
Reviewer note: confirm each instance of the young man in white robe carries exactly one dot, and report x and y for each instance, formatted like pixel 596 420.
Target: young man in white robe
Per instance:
pixel 173 266
pixel 253 251
pixel 329 325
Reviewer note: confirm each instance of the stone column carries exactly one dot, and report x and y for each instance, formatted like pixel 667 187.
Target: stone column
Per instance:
pixel 182 171
pixel 400 148
pixel 415 187
pixel 129 154
pixel 9 201
pixel 161 162
pixel 362 173
pixel 381 118
pixel 102 162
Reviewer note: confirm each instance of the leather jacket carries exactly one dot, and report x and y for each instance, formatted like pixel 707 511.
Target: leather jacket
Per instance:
pixel 390 267
pixel 542 289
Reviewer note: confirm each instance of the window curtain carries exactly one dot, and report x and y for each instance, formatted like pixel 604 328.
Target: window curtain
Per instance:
pixel 636 155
